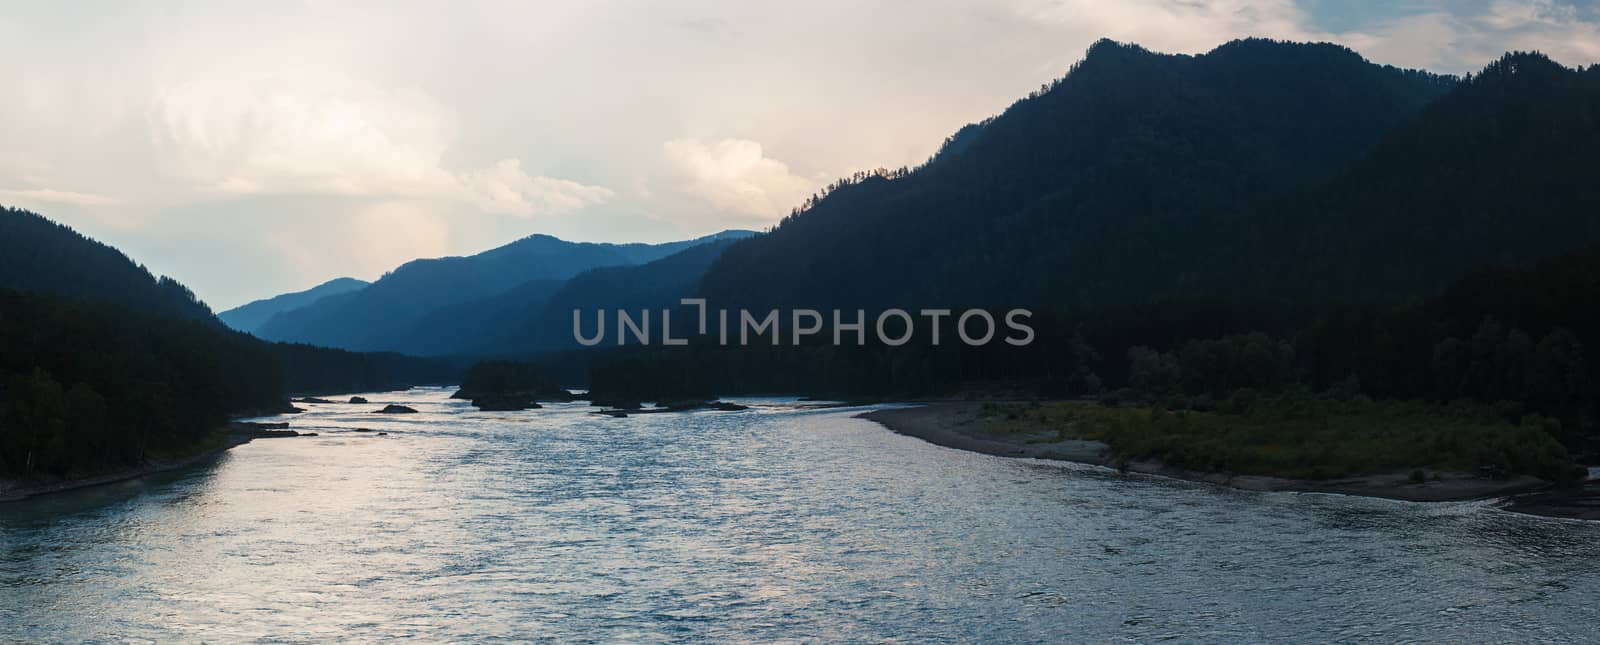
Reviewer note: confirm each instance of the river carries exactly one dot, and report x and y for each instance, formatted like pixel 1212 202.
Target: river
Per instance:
pixel 779 522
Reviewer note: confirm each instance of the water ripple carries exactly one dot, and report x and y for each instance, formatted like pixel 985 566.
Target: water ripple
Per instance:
pixel 779 523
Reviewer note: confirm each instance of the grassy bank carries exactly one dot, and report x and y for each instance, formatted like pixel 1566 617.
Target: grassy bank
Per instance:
pixel 1351 439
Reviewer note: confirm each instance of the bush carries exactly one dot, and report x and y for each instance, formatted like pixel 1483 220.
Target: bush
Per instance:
pixel 1281 436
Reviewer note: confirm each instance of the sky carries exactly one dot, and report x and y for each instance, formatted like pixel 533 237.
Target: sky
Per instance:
pixel 252 148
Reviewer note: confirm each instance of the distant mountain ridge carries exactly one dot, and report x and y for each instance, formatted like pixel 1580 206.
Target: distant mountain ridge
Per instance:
pixel 400 311
pixel 247 318
pixel 537 315
pixel 547 325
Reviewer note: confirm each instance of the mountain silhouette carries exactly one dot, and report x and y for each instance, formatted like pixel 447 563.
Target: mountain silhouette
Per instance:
pixel 249 317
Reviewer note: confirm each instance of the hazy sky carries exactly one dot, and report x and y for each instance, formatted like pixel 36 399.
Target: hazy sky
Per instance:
pixel 252 148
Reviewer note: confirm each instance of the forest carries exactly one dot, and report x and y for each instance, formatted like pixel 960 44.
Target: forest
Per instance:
pixel 1188 242
pixel 91 386
pixel 103 365
pixel 1258 172
pixel 88 387
pixel 1265 227
pixel 1513 344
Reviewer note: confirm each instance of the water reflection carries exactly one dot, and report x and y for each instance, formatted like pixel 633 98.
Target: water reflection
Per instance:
pixel 758 525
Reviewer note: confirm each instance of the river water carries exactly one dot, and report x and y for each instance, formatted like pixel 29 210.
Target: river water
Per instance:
pixel 776 523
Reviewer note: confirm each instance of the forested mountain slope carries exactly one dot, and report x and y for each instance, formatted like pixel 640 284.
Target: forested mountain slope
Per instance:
pixel 41 256
pixel 1115 184
pixel 1501 170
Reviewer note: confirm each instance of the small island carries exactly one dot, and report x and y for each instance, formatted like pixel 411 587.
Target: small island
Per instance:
pixel 504 386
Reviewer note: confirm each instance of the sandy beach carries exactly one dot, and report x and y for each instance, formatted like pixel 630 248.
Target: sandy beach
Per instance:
pixel 957 425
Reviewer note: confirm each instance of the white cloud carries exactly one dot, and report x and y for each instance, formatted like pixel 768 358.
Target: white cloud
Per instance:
pixel 736 176
pixel 1556 29
pixel 1175 25
pixel 504 188
pixel 369 240
pixel 1515 14
pixel 52 196
pixel 1460 42
pixel 320 134
pixel 1449 37
pixel 218 124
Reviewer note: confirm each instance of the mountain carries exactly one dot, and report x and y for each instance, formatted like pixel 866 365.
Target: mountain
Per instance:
pixel 392 313
pixel 468 327
pixel 87 386
pixel 1150 207
pixel 41 256
pixel 657 285
pixel 1115 184
pixel 248 317
pixel 537 315
pixel 103 366
pixel 1259 171
pixel 1500 170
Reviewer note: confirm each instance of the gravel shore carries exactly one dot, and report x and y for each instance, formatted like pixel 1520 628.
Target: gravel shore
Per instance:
pixel 957 425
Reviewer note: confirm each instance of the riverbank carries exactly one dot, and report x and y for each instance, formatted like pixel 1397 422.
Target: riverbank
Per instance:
pixel 237 434
pixel 961 425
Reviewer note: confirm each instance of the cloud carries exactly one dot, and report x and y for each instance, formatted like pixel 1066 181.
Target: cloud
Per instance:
pixel 505 188
pixel 1556 29
pixel 1514 14
pixel 1175 25
pixel 53 196
pixel 1459 41
pixel 369 239
pixel 1452 37
pixel 197 135
pixel 736 176
pixel 320 134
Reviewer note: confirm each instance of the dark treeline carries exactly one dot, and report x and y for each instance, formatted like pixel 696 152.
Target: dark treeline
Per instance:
pixel 321 370
pixel 87 387
pixel 103 365
pixel 1072 355
pixel 491 378
pixel 1515 340
pixel 90 386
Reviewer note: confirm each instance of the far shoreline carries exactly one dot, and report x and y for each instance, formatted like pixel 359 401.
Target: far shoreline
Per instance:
pixel 955 425
pixel 237 432
pixel 18 490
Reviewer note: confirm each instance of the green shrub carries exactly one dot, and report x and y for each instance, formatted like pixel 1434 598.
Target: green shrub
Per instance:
pixel 1302 436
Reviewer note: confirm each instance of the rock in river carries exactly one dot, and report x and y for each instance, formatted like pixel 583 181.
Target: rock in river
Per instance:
pixel 503 403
